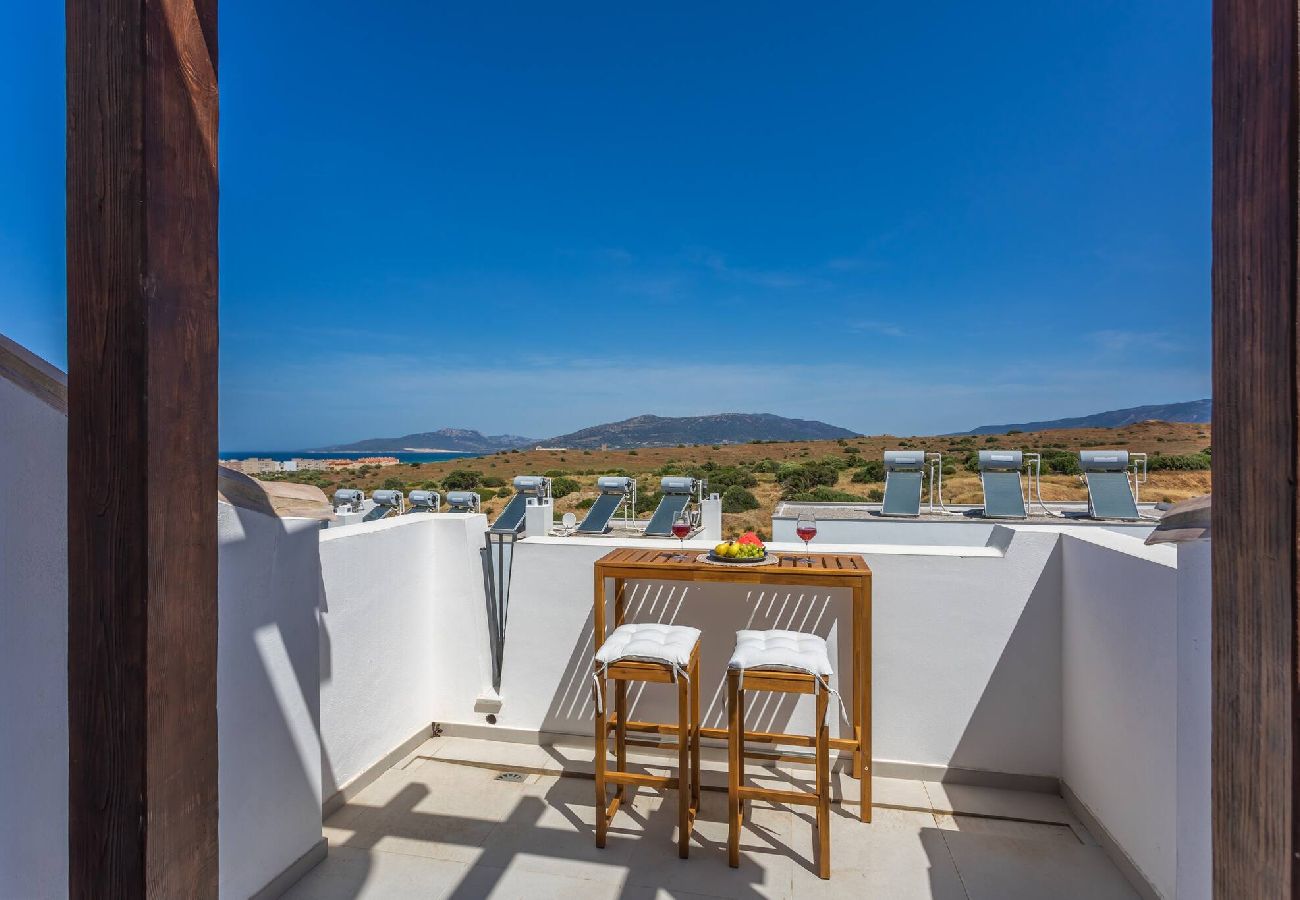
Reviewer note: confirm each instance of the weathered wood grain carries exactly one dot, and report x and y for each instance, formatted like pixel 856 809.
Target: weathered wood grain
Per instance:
pixel 1255 450
pixel 142 441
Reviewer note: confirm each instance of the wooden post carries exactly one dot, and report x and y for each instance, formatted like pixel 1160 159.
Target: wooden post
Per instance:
pixel 1255 449
pixel 142 442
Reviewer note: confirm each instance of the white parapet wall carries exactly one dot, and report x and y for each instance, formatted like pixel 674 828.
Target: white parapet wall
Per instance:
pixel 268 696
pixel 966 648
pixel 33 646
pixel 1120 694
pixel 402 626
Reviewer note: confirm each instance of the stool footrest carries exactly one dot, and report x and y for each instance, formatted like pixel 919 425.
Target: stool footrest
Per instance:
pixel 636 778
pixel 797 798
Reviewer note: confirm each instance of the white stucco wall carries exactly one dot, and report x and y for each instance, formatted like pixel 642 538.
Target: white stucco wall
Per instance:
pixel 268 695
pixel 386 660
pixel 1194 717
pixel 33 647
pixel 1120 693
pixel 967 648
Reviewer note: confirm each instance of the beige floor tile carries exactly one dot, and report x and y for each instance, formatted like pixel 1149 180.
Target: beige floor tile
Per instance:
pixel 1009 828
pixel 900 854
pixel 497 753
pixel 994 867
pixel 515 883
pixel 986 801
pixel 367 875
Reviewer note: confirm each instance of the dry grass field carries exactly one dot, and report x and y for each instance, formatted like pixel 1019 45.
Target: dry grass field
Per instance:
pixel 584 466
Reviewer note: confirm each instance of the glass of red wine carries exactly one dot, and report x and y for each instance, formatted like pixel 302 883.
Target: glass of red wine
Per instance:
pixel 681 528
pixel 806 529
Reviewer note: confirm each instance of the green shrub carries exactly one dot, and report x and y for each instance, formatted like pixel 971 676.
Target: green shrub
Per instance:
pixel 504 492
pixel 736 499
pixel 1060 462
pixel 872 470
pixel 492 481
pixel 647 502
pixel 555 473
pixel 766 466
pixel 876 495
pixel 461 480
pixel 949 469
pixel 393 484
pixel 823 494
pixel 797 478
pixel 586 503
pixel 1192 462
pixel 563 487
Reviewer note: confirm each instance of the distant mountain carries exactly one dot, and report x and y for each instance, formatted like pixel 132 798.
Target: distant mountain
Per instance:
pixel 463 440
pixel 724 428
pixel 1195 411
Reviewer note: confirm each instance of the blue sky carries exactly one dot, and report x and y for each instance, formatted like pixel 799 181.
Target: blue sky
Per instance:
pixel 901 218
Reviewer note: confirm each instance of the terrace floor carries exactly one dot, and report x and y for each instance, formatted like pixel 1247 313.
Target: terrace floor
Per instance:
pixel 442 823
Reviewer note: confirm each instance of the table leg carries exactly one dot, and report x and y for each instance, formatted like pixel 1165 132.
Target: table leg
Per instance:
pixel 598 611
pixel 863 702
pixel 620 601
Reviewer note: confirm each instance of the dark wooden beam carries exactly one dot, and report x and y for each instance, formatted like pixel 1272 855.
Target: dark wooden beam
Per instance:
pixel 142 442
pixel 1255 449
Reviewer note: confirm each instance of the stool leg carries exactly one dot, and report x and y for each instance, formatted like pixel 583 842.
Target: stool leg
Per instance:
pixel 823 787
pixel 602 822
pixel 695 735
pixel 734 768
pixel 683 769
pixel 620 730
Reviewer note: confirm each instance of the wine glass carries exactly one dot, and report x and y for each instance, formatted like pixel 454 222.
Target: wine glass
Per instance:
pixel 681 528
pixel 806 529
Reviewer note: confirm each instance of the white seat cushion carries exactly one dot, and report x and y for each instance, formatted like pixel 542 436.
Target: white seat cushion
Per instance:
pixel 782 651
pixel 650 642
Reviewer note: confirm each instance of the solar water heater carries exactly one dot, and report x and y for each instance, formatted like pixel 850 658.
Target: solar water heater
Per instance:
pixel 527 487
pixel 462 501
pixel 1004 492
pixel 387 503
pixel 348 500
pixel 615 490
pixel 423 501
pixel 678 491
pixel 1110 495
pixel 904 471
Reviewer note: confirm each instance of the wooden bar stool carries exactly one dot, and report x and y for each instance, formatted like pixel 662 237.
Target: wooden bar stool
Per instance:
pixel 662 654
pixel 788 662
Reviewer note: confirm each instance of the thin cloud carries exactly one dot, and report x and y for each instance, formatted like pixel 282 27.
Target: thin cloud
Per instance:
pixel 871 326
pixel 1118 341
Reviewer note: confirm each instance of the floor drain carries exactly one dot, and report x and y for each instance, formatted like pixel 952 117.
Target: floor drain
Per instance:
pixel 511 776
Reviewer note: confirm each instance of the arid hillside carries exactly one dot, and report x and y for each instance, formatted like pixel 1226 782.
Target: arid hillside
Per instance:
pixel 769 471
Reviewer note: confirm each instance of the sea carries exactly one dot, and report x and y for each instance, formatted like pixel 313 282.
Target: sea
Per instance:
pixel 282 455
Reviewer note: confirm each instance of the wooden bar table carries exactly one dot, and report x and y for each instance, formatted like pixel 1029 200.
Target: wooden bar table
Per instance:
pixel 826 571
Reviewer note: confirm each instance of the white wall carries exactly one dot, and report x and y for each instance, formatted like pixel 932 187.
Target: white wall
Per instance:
pixel 1120 693
pixel 33 647
pixel 390 648
pixel 268 695
pixel 1194 717
pixel 967 648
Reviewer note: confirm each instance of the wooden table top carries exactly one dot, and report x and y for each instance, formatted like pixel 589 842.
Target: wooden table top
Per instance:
pixel 663 564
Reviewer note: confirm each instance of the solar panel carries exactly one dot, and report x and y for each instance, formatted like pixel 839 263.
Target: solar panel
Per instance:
pixel 1004 496
pixel 512 517
pixel 902 494
pixel 1110 497
pixel 597 520
pixel 378 513
pixel 661 523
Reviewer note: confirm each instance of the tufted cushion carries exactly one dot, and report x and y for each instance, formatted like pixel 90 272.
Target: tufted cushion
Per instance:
pixel 786 651
pixel 650 642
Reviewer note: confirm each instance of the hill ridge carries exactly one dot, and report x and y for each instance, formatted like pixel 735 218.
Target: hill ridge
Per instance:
pixel 1191 411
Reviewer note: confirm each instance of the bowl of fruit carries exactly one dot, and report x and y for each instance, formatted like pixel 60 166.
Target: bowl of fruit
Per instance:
pixel 747 549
